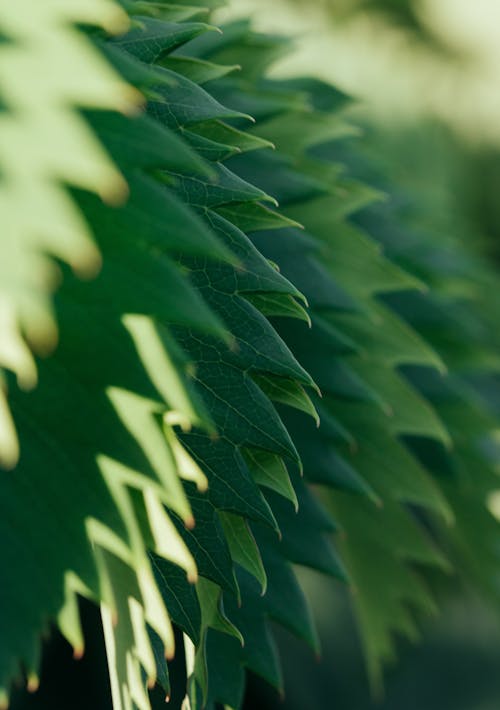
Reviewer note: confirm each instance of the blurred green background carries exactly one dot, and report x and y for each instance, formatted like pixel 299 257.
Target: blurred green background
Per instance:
pixel 404 58
pixel 426 78
pixel 455 667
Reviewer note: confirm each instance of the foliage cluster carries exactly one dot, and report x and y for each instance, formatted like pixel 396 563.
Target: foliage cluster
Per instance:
pixel 240 387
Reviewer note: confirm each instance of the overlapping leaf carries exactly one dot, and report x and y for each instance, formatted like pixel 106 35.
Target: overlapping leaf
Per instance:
pixel 45 145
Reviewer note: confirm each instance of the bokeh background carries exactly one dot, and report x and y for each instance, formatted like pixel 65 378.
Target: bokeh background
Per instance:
pixel 425 76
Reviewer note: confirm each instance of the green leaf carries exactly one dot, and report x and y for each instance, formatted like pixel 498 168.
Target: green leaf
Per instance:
pixel 287 391
pixel 197 70
pixel 279 305
pixel 140 142
pixel 240 141
pixel 40 219
pixel 183 103
pixel 268 470
pixel 207 542
pixel 224 187
pixel 180 597
pixel 151 39
pixel 243 547
pixel 254 217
